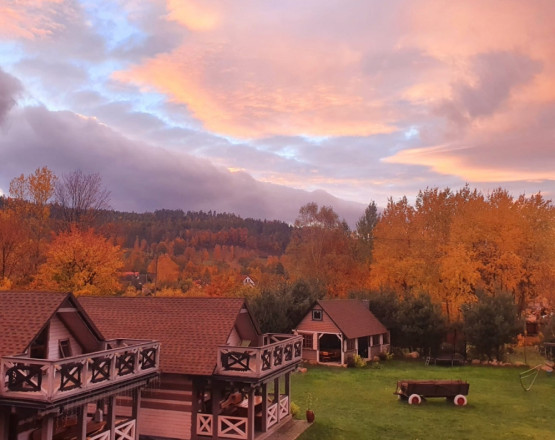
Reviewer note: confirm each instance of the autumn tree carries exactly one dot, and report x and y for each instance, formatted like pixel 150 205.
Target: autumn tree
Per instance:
pixel 82 262
pixel 81 196
pixel 13 240
pixel 452 244
pixel 322 250
pixel 365 231
pixel 30 197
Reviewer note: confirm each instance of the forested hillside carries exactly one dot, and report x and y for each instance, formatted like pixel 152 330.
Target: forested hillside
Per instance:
pixel 58 233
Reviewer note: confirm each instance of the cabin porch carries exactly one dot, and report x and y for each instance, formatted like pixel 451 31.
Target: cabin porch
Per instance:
pixel 244 411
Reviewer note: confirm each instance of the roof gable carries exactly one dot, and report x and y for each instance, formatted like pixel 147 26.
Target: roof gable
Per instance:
pixel 24 314
pixel 189 329
pixel 352 317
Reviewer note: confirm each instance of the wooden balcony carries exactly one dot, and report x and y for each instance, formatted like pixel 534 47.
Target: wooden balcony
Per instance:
pixel 44 380
pixel 277 352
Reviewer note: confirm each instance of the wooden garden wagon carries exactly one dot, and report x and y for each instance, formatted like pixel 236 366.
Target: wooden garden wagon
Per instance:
pixel 415 390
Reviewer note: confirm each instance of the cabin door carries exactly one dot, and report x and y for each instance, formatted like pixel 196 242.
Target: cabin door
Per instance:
pixel 363 347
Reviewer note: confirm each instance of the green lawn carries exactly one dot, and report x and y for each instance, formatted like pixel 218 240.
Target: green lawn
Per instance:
pixel 355 404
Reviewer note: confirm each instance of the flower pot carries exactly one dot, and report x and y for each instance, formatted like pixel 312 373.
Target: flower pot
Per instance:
pixel 309 416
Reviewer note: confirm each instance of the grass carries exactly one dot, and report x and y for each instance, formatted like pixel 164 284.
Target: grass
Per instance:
pixel 360 404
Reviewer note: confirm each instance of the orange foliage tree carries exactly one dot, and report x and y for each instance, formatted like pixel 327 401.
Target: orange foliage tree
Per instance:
pixel 452 244
pixel 322 250
pixel 82 262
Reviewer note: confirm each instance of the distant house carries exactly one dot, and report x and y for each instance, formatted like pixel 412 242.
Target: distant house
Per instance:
pixel 335 330
pixel 60 378
pixel 221 378
pixel 248 281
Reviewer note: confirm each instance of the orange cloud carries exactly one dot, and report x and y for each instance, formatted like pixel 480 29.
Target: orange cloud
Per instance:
pixel 28 19
pixel 248 73
pixel 445 159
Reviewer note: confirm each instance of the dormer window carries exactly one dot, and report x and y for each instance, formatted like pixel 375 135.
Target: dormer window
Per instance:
pixel 316 315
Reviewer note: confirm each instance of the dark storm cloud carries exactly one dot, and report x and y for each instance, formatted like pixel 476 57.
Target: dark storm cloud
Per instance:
pixel 141 177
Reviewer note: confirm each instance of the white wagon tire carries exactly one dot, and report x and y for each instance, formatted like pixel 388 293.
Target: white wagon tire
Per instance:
pixel 460 400
pixel 415 399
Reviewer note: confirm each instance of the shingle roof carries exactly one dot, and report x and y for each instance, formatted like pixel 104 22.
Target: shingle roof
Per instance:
pixel 352 317
pixel 189 329
pixel 22 316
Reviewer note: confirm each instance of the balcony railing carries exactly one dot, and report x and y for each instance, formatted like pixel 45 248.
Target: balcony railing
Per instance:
pixel 278 351
pixel 51 380
pixel 231 427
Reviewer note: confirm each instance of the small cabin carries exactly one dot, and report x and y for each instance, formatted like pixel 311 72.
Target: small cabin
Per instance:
pixel 221 377
pixel 60 378
pixel 335 330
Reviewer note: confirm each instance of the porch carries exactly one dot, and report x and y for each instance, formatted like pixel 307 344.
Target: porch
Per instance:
pixel 267 418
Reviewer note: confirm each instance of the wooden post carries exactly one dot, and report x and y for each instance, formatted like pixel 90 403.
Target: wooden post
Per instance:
pixel 136 410
pixel 195 408
pixel 4 417
pixel 82 422
pixel 111 419
pixel 216 397
pixel 288 391
pixel 276 397
pixel 250 416
pixel 264 421
pixel 47 428
pixel 13 421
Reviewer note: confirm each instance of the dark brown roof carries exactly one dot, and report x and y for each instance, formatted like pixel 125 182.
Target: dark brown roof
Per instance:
pixel 189 329
pixel 352 317
pixel 22 317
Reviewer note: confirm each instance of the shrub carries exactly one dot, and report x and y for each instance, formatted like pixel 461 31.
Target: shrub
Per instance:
pixel 356 362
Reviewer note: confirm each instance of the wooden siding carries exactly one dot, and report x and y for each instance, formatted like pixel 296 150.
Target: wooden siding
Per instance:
pixel 166 411
pixel 310 355
pixel 58 331
pixel 326 325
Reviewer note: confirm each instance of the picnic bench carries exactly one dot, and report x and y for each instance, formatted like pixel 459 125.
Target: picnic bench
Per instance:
pixel 415 390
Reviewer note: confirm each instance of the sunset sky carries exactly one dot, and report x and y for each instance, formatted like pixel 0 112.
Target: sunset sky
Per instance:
pixel 258 107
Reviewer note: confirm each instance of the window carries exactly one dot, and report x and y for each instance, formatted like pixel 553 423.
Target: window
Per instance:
pixel 351 344
pixel 64 347
pixel 316 315
pixel 307 341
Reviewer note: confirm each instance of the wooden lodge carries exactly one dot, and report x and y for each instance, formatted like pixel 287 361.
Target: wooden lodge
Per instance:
pixel 335 330
pixel 220 377
pixel 60 379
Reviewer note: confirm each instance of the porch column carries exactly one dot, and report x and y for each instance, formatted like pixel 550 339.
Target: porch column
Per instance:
pixel 342 348
pixel 288 391
pixel 276 397
pixel 135 412
pixel 264 407
pixel 3 422
pixel 250 416
pixel 47 430
pixel 82 422
pixel 216 397
pixel 13 420
pixel 194 409
pixel 111 419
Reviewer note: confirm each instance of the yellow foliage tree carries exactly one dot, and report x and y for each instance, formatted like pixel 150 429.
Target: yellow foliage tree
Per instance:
pixel 82 262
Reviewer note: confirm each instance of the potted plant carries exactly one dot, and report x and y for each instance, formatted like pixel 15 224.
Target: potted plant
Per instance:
pixel 309 410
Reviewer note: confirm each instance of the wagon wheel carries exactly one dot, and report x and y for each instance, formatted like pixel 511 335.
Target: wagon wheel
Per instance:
pixel 415 399
pixel 460 400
